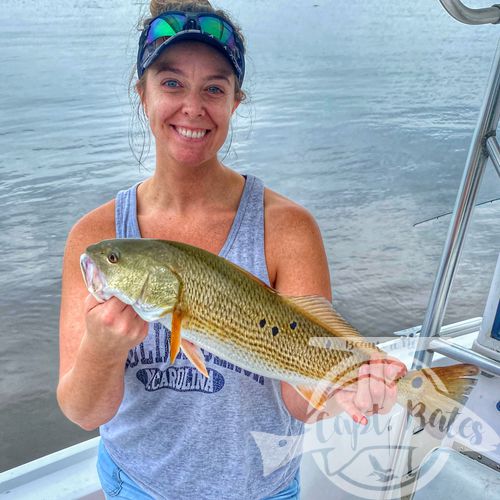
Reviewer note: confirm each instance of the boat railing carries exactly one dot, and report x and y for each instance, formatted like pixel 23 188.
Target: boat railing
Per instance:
pixel 464 14
pixel 459 353
pixel 483 146
pixel 483 141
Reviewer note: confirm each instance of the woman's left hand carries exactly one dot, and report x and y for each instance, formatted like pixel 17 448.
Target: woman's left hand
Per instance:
pixel 376 390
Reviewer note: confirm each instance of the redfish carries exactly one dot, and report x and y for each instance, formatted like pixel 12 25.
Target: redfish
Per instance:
pixel 209 303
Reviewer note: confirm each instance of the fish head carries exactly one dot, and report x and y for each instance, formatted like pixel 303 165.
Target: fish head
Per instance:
pixel 135 271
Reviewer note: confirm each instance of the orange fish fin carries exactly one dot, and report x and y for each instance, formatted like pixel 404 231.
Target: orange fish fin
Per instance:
pixel 194 354
pixel 322 310
pixel 316 396
pixel 175 337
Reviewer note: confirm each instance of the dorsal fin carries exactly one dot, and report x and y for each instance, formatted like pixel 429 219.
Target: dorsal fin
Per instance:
pixel 320 309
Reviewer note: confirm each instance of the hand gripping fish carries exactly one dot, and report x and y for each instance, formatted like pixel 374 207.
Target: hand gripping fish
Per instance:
pixel 210 303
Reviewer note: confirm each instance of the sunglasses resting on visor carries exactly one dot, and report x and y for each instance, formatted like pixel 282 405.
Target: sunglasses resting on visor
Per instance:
pixel 209 27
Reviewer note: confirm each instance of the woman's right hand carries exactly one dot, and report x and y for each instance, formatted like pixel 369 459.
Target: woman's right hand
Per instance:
pixel 113 327
pixel 95 338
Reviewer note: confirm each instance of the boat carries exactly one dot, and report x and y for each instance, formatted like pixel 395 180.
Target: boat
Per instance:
pixel 395 456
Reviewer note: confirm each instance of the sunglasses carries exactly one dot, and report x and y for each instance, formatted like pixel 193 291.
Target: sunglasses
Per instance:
pixel 205 27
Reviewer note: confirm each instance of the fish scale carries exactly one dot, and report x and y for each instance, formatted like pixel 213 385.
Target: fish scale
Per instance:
pixel 215 305
pixel 289 349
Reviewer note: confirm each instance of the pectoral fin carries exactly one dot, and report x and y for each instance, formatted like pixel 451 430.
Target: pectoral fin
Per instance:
pixel 175 337
pixel 194 354
pixel 316 396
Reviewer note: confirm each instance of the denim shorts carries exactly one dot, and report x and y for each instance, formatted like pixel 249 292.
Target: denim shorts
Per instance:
pixel 116 484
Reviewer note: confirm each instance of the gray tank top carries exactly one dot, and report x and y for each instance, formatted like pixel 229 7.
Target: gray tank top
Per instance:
pixel 179 435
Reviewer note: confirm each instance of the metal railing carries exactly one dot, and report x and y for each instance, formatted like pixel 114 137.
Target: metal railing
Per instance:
pixel 462 214
pixel 464 355
pixel 464 14
pixel 483 145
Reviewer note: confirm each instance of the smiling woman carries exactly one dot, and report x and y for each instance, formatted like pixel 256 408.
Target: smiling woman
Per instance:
pixel 189 106
pixel 163 437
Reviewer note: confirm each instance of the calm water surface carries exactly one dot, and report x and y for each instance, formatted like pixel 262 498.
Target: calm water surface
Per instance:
pixel 365 119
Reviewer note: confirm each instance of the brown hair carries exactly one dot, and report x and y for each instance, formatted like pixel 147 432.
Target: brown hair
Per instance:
pixel 157 7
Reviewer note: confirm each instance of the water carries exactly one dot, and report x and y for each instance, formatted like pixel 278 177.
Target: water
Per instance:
pixel 365 119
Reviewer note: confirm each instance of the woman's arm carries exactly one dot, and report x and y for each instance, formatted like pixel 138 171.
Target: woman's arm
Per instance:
pixel 95 338
pixel 298 266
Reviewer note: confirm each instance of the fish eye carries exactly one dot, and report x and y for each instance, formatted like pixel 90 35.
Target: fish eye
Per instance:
pixel 113 258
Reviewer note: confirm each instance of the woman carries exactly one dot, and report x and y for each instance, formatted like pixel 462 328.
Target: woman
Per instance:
pixel 164 435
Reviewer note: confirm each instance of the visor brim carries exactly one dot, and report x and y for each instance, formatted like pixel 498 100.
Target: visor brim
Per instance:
pixel 190 35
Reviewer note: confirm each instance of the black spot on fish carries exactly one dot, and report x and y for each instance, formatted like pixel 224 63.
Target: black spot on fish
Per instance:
pixel 262 323
pixel 275 330
pixel 293 325
pixel 417 382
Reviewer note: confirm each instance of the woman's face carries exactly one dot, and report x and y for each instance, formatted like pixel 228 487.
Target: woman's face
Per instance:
pixel 189 97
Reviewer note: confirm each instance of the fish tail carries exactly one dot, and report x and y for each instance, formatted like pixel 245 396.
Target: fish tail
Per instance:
pixel 435 396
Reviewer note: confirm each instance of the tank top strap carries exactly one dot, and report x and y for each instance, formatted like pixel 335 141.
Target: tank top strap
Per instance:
pixel 126 213
pixel 245 243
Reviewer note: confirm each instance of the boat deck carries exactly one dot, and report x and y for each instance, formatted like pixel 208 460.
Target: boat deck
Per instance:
pixel 71 474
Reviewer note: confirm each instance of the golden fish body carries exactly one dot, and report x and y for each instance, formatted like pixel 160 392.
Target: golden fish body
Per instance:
pixel 216 305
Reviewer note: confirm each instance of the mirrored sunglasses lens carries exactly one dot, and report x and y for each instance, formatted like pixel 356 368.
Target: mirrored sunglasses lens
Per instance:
pixel 166 26
pixel 217 28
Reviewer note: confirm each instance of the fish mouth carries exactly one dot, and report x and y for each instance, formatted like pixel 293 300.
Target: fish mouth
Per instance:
pixel 94 279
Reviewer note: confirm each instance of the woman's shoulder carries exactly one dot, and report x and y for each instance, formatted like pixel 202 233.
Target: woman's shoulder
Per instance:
pixel 94 226
pixel 295 254
pixel 281 213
